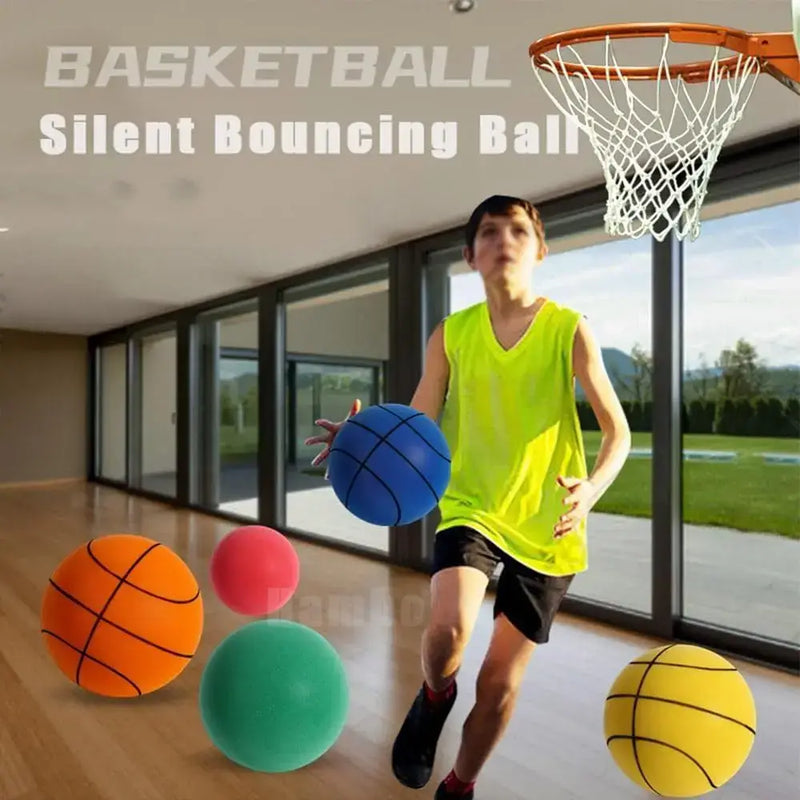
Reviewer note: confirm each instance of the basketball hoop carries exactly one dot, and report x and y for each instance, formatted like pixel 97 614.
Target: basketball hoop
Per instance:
pixel 657 157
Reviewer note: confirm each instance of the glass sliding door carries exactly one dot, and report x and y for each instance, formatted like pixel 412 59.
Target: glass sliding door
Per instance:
pixel 237 463
pixel 324 390
pixel 741 444
pixel 336 346
pixel 112 410
pixel 155 412
pixel 226 351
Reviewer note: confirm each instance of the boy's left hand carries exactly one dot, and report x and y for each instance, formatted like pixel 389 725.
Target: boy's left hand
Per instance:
pixel 581 498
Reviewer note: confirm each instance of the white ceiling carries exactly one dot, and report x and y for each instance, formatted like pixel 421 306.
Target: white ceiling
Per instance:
pixel 97 241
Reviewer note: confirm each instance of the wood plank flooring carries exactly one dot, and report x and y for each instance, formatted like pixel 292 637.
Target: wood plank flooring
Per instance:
pixel 58 742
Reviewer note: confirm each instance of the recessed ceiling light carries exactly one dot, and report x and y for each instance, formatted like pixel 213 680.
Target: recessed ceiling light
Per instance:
pixel 462 6
pixel 4 230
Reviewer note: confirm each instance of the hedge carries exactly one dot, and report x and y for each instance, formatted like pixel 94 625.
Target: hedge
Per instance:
pixel 764 416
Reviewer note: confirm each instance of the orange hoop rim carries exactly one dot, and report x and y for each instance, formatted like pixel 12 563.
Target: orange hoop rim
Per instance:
pixel 776 49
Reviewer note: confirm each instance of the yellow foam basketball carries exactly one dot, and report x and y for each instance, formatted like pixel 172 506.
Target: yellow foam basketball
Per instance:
pixel 679 720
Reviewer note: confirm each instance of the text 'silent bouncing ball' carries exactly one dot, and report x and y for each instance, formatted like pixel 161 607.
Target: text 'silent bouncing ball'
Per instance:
pixel 274 696
pixel 389 464
pixel 254 570
pixel 122 615
pixel 680 720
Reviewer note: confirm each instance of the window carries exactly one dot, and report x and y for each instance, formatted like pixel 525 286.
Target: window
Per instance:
pixel 337 341
pixel 112 408
pixel 226 475
pixel 741 451
pixel 156 400
pixel 324 390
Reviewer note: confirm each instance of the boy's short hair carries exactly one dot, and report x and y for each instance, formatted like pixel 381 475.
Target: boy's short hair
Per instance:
pixel 501 205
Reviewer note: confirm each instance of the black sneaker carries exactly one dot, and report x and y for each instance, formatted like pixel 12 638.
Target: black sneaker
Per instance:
pixel 443 794
pixel 415 746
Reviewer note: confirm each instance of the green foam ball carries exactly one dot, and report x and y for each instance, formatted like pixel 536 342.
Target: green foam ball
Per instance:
pixel 274 696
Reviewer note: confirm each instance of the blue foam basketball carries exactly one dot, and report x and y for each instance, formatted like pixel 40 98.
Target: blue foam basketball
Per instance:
pixel 389 464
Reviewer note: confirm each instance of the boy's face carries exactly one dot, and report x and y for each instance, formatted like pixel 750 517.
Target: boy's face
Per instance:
pixel 504 247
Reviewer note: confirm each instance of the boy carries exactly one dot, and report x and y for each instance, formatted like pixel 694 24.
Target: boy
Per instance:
pixel 501 375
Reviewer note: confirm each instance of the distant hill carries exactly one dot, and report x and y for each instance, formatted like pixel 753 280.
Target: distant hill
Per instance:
pixel 782 381
pixel 241 384
pixel 620 369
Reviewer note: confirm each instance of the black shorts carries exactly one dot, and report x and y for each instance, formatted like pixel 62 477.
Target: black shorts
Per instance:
pixel 527 598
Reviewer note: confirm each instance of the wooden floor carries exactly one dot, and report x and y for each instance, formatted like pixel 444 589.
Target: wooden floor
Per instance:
pixel 58 742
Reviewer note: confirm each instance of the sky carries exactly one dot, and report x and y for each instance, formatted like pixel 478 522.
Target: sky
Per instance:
pixel 741 279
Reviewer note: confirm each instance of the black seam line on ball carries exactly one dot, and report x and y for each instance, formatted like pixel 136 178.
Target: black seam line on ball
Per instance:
pixel 384 439
pixel 92 658
pixel 416 416
pixel 111 596
pixel 117 625
pixel 684 705
pixel 133 585
pixel 633 715
pixel 671 747
pixel 377 478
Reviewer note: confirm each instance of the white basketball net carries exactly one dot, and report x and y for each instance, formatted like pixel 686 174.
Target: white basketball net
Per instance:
pixel 656 159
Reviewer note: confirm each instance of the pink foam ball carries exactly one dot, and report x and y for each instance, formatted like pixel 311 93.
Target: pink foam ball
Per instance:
pixel 254 570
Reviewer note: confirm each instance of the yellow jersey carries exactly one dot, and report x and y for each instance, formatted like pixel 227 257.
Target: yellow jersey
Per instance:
pixel 511 423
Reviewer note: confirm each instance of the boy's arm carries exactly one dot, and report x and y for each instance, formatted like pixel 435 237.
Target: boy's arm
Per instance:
pixel 616 440
pixel 430 392
pixel 587 363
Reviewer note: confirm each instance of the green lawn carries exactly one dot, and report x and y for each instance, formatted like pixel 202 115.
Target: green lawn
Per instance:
pixel 746 494
pixel 237 446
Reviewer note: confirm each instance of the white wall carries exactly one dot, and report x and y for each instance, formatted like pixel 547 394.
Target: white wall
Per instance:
pixel 239 331
pixel 43 384
pixel 356 327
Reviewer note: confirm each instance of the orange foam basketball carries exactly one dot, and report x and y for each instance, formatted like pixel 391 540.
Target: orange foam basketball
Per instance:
pixel 122 615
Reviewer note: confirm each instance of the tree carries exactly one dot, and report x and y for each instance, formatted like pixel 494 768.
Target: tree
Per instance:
pixel 700 420
pixel 639 384
pixel 793 416
pixel 763 420
pixel 725 422
pixel 742 373
pixel 703 381
pixel 743 413
pixel 250 407
pixel 776 413
pixel 227 406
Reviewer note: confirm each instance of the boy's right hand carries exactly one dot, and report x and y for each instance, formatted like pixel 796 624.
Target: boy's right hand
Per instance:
pixel 332 429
